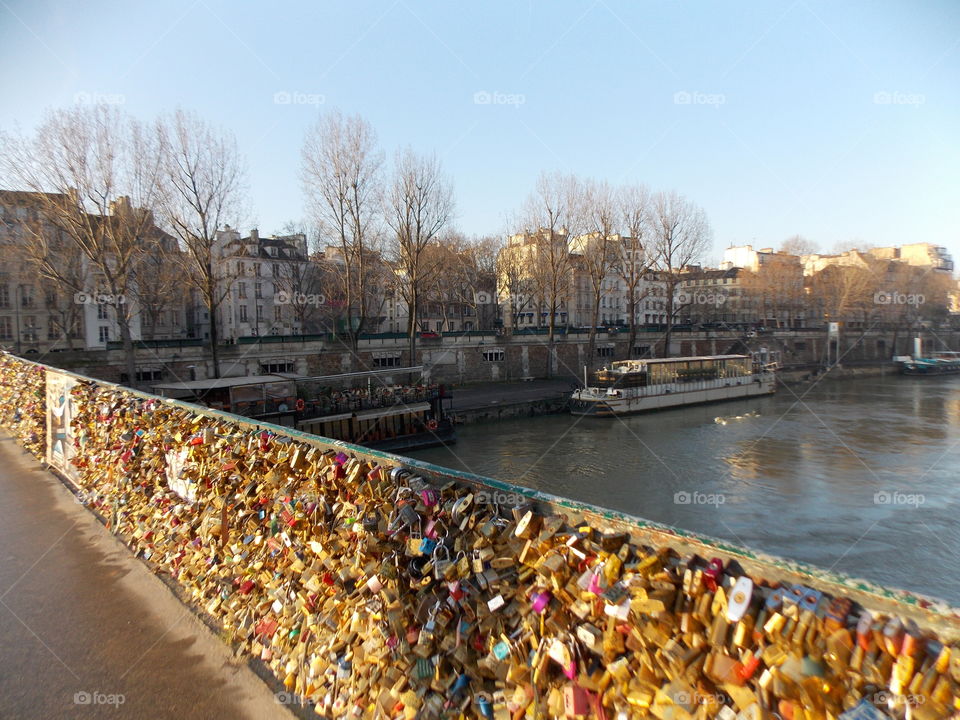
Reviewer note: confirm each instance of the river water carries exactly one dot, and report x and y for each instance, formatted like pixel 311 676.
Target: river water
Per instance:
pixel 859 476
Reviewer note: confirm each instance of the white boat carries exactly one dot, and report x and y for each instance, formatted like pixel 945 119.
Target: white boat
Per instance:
pixel 632 386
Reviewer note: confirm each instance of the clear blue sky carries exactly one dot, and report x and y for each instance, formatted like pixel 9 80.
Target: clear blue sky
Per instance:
pixel 784 131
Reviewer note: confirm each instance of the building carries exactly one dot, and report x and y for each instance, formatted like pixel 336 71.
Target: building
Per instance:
pixel 39 313
pixel 265 283
pixel 767 290
pixel 923 255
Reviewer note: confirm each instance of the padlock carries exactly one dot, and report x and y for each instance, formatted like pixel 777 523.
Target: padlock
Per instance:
pixel 443 565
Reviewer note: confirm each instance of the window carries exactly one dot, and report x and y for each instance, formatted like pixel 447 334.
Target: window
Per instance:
pixel 242 290
pixel 102 312
pixel 52 332
pixel 256 269
pixel 4 296
pixel 104 334
pixel 241 268
pixel 276 270
pixel 272 368
pixel 259 313
pixel 493 355
pixel 278 313
pixel 6 329
pixel 273 251
pixel 605 351
pixel 26 296
pixel 243 313
pixel 258 290
pixel 149 375
pixel 641 350
pixel 382 361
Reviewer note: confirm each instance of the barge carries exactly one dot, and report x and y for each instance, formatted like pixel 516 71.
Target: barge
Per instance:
pixel 634 386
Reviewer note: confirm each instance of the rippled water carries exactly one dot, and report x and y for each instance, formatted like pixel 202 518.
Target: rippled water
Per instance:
pixel 860 476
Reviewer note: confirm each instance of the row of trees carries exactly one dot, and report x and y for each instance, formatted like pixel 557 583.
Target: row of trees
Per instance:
pixel 123 202
pixel 572 228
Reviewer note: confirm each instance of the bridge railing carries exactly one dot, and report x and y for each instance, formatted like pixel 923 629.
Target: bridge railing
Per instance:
pixel 364 579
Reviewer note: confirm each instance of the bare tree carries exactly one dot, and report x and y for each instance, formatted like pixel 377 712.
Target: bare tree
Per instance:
pixel 298 279
pixel 204 187
pixel 597 247
pixel 419 205
pixel 798 245
pixel 550 214
pixel 514 280
pixel 633 261
pixel 476 279
pixel 681 233
pixel 160 290
pixel 94 173
pixel 341 173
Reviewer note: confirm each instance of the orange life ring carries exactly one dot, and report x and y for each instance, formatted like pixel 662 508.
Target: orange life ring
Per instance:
pixel 432 425
pixel 300 405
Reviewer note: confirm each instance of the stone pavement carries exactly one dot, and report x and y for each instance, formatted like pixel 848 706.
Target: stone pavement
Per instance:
pixel 84 625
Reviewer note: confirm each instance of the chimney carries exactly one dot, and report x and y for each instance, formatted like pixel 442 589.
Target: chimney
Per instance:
pixel 120 206
pixel 255 235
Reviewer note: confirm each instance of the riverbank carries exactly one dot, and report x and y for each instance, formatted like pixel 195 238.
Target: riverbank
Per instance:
pixel 495 401
pixel 838 372
pixel 490 402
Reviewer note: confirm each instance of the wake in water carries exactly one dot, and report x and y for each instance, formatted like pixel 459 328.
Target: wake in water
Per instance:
pixel 720 420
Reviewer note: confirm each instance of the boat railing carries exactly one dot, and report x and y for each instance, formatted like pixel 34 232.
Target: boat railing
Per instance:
pixel 679 385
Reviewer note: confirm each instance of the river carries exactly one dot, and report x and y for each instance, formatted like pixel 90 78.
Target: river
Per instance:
pixel 858 476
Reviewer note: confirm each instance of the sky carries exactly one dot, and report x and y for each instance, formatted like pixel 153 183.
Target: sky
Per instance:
pixel 839 122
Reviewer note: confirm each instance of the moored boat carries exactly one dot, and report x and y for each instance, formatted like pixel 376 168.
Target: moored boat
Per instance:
pixel 939 364
pixel 393 418
pixel 633 386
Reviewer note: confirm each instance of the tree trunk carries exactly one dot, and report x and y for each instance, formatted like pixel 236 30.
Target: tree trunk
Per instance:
pixel 412 327
pixel 667 335
pixel 592 340
pixel 129 353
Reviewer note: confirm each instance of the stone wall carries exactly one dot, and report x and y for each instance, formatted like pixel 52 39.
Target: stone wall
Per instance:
pixel 459 360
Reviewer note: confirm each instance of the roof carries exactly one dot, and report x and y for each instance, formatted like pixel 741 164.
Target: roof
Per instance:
pixel 212 383
pixel 657 361
pixel 401 409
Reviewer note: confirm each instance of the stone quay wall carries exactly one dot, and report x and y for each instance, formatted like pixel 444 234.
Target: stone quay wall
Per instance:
pixel 375 586
pixel 485 358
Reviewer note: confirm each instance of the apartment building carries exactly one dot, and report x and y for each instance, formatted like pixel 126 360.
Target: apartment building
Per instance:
pixel 266 283
pixel 39 314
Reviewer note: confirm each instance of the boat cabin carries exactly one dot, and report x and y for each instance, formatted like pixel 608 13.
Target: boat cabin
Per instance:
pixel 646 373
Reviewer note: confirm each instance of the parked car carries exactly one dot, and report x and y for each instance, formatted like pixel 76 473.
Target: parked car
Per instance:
pixel 429 335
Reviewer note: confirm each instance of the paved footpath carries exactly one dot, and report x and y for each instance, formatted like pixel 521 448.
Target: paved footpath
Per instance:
pixel 82 622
